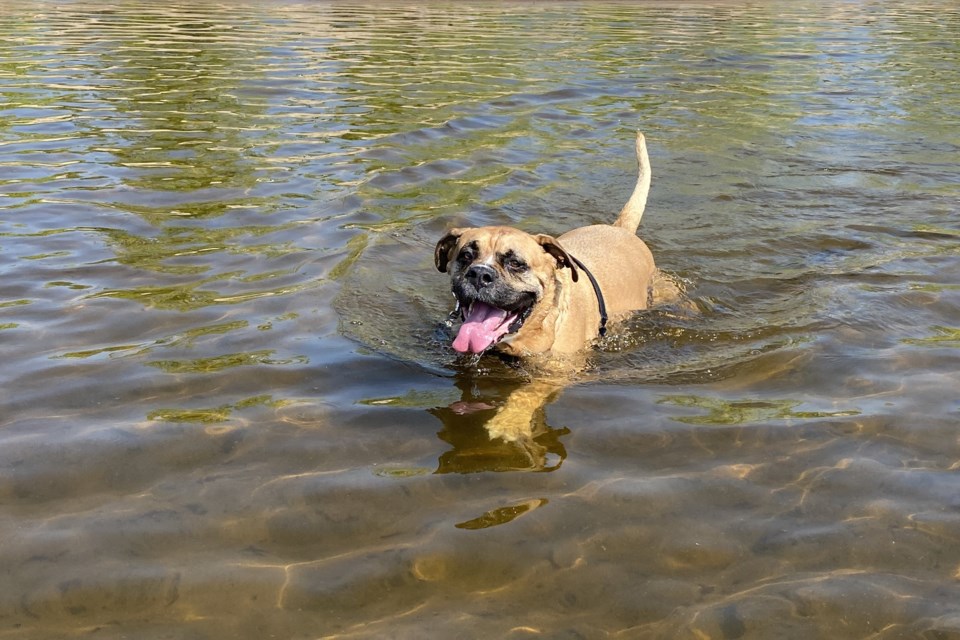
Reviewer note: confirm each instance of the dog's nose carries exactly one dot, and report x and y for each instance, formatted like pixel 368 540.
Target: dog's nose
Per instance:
pixel 480 275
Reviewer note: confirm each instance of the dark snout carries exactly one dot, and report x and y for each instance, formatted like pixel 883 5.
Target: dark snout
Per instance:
pixel 480 276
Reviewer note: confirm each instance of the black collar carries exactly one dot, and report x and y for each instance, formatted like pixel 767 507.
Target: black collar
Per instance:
pixel 596 290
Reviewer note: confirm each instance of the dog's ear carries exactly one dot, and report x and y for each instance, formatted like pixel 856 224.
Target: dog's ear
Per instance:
pixel 441 255
pixel 552 246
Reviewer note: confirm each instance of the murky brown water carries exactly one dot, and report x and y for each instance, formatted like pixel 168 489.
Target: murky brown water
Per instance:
pixel 228 407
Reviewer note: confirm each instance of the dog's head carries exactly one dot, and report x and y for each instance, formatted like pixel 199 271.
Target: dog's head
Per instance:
pixel 499 275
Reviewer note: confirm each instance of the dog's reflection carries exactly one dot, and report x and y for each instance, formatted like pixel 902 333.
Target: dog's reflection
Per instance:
pixel 498 426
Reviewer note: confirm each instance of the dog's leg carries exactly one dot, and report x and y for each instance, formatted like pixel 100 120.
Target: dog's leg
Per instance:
pixel 518 418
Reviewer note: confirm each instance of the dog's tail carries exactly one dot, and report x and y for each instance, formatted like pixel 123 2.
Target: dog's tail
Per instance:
pixel 631 213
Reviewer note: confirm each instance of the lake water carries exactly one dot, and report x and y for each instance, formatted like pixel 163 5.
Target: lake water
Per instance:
pixel 229 408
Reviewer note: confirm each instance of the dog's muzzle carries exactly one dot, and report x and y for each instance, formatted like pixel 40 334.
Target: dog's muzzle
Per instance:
pixel 489 310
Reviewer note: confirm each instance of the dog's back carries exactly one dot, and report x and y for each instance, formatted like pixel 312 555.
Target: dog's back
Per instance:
pixel 619 260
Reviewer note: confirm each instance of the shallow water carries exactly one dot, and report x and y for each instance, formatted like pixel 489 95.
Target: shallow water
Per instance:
pixel 228 405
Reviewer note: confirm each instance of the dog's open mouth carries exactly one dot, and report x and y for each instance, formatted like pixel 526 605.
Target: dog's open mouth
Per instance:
pixel 484 325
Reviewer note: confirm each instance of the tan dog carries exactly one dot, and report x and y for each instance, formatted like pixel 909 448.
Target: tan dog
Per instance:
pixel 526 295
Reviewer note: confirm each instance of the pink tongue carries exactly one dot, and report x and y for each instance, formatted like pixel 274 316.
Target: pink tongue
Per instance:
pixel 481 328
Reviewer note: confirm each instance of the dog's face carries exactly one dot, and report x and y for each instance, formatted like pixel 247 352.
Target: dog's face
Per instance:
pixel 500 277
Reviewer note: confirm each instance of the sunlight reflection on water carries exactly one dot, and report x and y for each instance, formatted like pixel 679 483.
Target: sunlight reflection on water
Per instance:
pixel 229 405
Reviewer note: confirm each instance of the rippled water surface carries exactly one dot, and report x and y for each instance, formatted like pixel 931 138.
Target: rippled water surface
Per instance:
pixel 228 405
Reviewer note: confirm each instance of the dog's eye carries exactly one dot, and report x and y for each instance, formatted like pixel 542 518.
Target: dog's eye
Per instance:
pixel 465 256
pixel 515 265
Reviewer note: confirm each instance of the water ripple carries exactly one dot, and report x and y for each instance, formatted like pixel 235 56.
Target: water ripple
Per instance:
pixel 229 404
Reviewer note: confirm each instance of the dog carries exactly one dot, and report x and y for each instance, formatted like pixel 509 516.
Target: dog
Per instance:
pixel 534 295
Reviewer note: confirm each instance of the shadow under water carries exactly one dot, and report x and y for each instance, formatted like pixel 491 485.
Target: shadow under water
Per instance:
pixel 474 448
